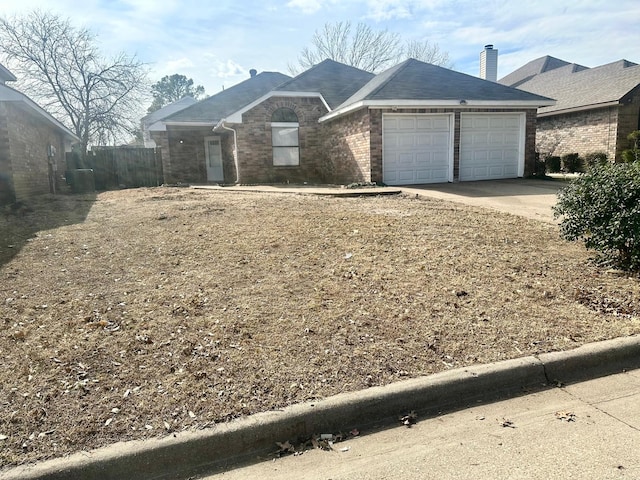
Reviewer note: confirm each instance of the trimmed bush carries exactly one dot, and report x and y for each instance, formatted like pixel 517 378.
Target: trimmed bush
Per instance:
pixel 572 163
pixel 553 164
pixel 633 154
pixel 602 208
pixel 595 158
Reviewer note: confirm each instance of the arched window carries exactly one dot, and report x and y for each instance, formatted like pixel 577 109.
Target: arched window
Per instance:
pixel 284 137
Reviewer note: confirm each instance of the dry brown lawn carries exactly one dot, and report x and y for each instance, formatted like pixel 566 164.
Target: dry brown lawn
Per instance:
pixel 137 313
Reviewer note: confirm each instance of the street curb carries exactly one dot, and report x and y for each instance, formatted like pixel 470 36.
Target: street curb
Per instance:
pixel 191 453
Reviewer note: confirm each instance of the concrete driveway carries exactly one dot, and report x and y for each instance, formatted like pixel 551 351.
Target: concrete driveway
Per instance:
pixel 525 197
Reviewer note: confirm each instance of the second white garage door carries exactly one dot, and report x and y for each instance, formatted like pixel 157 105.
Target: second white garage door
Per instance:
pixel 491 146
pixel 416 149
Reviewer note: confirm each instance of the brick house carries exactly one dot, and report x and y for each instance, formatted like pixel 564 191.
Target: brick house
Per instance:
pixel 595 110
pixel 414 123
pixel 32 146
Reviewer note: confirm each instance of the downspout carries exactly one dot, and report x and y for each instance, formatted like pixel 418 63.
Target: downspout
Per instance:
pixel 235 146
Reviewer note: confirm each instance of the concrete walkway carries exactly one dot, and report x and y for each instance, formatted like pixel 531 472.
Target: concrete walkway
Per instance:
pixel 585 430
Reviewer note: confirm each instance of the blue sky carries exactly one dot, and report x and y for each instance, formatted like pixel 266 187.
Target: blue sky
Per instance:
pixel 217 42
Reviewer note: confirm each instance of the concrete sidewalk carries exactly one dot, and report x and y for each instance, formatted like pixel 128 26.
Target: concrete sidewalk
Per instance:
pixel 585 430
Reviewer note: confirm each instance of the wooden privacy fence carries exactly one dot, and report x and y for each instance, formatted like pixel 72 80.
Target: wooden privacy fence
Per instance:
pixel 122 167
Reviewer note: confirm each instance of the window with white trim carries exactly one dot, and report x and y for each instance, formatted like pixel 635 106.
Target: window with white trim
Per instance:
pixel 284 137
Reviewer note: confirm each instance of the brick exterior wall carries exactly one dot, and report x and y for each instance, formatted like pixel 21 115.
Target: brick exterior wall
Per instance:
pixel 184 155
pixel 255 152
pixel 579 132
pixel 347 148
pixel 351 160
pixel 344 150
pixel 597 130
pixel 24 141
pixel 628 120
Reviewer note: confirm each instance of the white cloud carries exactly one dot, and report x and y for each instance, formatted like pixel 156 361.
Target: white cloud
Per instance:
pixel 306 6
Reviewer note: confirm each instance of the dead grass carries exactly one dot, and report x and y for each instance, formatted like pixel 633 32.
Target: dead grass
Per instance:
pixel 173 309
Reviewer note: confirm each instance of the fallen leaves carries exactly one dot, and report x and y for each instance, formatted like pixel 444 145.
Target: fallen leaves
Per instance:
pixel 409 419
pixel 566 416
pixel 247 310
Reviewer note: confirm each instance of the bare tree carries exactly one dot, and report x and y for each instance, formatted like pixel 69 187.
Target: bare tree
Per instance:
pixel 62 69
pixel 364 48
pixel 428 52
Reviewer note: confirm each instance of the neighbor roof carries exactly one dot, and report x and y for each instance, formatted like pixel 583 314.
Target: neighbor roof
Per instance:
pixel 585 88
pixel 167 110
pixel 217 107
pixel 417 83
pixel 8 94
pixel 6 75
pixel 536 67
pixel 335 81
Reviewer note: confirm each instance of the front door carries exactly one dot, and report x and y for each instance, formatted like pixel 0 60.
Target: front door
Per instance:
pixel 213 154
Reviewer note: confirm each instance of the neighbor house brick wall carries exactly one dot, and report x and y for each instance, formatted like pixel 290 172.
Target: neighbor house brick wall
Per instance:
pixel 255 152
pixel 579 132
pixel 628 120
pixel 347 148
pixel 29 136
pixel 7 195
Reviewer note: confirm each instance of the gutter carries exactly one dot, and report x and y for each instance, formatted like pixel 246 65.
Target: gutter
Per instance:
pixel 221 124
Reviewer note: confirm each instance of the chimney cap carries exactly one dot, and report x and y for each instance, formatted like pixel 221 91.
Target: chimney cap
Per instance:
pixel 253 72
pixel 488 47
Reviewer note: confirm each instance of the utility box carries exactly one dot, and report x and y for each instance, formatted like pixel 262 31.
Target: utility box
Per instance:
pixel 81 180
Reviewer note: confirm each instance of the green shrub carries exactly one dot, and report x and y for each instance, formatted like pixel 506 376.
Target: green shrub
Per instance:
pixel 572 163
pixel 553 164
pixel 595 158
pixel 633 154
pixel 602 208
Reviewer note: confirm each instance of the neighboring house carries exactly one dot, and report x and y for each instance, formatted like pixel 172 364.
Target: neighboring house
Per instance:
pixel 151 122
pixel 414 123
pixel 32 145
pixel 595 110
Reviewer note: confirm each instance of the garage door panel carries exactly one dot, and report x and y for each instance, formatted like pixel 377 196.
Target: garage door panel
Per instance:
pixel 489 146
pixel 416 149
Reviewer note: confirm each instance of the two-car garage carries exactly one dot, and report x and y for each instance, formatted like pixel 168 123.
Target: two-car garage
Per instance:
pixel 419 148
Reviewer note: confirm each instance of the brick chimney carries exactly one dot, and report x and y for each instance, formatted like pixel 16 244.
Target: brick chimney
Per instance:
pixel 489 63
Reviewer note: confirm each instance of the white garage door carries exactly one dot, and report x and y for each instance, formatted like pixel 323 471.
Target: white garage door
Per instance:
pixel 491 146
pixel 416 149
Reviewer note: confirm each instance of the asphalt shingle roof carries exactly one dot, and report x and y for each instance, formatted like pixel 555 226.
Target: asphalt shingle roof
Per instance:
pixel 585 87
pixel 219 106
pixel 167 110
pixel 416 80
pixel 335 81
pixel 536 67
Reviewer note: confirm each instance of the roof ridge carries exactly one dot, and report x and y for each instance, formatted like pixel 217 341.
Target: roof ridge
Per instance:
pixel 399 68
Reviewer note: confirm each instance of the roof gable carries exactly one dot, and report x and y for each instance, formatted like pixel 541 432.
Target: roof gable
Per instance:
pixel 335 81
pixel 586 87
pixel 217 107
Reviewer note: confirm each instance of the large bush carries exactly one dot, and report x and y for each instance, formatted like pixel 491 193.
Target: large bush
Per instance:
pixel 602 208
